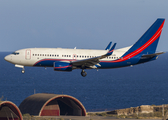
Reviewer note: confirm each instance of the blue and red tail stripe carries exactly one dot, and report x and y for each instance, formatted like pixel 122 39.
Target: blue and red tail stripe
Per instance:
pixel 149 39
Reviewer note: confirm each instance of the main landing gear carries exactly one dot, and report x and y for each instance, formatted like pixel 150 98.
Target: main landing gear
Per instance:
pixel 83 73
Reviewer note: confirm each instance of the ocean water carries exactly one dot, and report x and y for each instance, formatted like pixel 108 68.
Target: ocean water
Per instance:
pixel 107 89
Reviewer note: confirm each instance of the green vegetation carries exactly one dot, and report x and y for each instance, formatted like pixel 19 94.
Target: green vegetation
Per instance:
pixel 157 114
pixel 61 119
pixel 27 116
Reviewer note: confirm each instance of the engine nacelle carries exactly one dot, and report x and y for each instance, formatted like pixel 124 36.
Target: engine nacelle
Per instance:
pixel 62 66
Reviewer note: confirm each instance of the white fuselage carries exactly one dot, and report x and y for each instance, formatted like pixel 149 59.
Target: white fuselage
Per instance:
pixel 30 56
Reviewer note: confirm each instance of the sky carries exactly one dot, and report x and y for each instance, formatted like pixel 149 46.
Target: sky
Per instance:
pixel 85 24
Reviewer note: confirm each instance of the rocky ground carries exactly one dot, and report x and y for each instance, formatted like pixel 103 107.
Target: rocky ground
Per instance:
pixel 139 112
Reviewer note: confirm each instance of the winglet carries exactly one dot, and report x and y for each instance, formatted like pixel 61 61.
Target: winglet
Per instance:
pixel 111 50
pixel 108 46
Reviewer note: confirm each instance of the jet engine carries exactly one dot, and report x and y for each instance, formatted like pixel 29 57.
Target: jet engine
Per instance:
pixel 62 66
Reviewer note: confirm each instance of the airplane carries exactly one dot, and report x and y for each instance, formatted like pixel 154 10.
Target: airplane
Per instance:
pixel 144 50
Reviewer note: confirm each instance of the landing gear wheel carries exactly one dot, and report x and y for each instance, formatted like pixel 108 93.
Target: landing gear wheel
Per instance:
pixel 83 73
pixel 23 71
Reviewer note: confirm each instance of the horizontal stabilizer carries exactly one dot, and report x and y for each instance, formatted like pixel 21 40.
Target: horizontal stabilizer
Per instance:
pixel 152 55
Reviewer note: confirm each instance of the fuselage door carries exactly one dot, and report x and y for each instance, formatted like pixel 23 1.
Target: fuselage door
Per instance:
pixel 28 55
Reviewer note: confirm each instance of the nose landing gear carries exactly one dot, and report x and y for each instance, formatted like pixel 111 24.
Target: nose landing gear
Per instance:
pixel 23 70
pixel 83 73
pixel 20 66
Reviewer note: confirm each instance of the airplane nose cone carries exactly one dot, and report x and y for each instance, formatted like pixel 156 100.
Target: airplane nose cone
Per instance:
pixel 7 58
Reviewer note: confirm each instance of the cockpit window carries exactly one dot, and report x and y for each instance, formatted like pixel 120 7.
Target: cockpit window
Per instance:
pixel 15 53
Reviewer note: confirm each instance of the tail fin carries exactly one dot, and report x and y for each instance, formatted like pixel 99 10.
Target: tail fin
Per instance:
pixel 147 44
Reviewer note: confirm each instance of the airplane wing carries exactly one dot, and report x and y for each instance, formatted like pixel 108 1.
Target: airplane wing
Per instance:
pixel 152 55
pixel 92 61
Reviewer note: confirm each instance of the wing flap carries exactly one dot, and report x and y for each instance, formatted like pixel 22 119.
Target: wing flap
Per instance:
pixel 89 62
